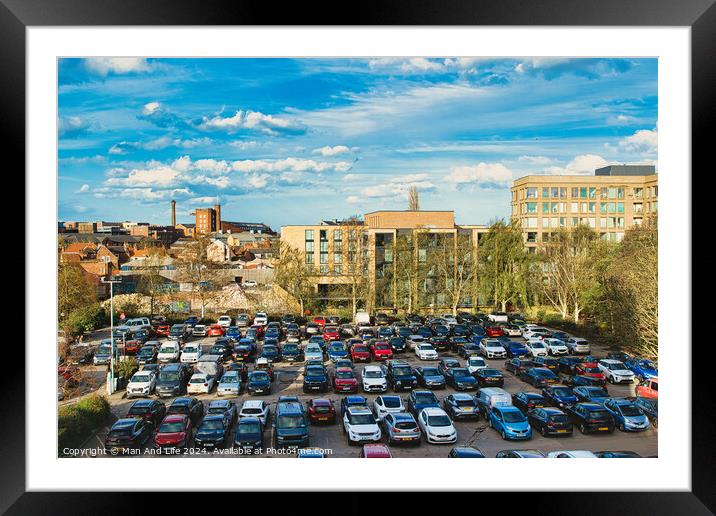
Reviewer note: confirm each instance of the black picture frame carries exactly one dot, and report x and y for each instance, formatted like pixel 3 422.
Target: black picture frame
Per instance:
pixel 700 15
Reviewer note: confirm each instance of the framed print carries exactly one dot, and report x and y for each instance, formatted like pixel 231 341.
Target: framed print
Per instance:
pixel 419 234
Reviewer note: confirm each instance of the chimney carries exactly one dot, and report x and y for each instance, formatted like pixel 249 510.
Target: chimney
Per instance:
pixel 217 213
pixel 174 213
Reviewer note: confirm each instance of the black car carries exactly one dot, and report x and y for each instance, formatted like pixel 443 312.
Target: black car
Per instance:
pixel 226 408
pixel 315 379
pixel 173 379
pixel 583 381
pixel 566 364
pixel 270 352
pixel 191 407
pixel 212 432
pixel 461 406
pixel 430 377
pixel 397 343
pixel 448 363
pixel 147 355
pixel 128 434
pixel 288 319
pixel 526 401
pixel 650 407
pixel 223 348
pixel 468 349
pixel 259 382
pixel 151 411
pixel 460 330
pixel 419 400
pixel 547 362
pixel 465 452
pixel 515 365
pixel 549 421
pixel 538 376
pixel 460 379
pixel 292 352
pixel 249 433
pixel 400 376
pixel 489 377
pixel 590 417
pixel 440 343
pixel 242 368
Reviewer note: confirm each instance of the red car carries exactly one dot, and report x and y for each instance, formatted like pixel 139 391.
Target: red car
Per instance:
pixel 174 432
pixel 381 350
pixel 320 320
pixel 494 331
pixel 321 410
pixel 162 330
pixel 131 347
pixel 215 330
pixel 589 369
pixel 259 330
pixel 360 353
pixel 344 380
pixel 375 451
pixel 331 333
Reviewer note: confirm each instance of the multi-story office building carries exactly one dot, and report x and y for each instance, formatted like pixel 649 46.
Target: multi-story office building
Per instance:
pixel 335 252
pixel 611 201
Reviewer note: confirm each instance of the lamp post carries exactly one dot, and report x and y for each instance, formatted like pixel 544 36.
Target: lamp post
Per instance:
pixel 111 327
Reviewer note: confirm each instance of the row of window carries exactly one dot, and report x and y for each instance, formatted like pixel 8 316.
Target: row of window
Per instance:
pixel 584 192
pixel 562 222
pixel 531 237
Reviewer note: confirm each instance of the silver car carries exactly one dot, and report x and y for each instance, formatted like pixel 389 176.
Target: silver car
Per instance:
pixel 230 384
pixel 401 427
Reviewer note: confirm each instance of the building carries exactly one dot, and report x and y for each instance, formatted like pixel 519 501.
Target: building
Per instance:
pixel 208 220
pixel 336 251
pixel 187 230
pixel 614 199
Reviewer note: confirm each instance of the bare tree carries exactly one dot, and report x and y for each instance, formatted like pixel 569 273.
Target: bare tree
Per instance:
pixel 413 199
pixel 150 280
pixel 354 275
pixel 292 273
pixel 454 267
pixel 194 267
pixel 74 290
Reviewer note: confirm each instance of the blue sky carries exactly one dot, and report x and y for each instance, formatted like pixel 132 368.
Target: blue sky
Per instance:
pixel 293 141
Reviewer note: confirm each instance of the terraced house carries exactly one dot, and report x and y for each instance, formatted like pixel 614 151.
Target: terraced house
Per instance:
pixel 614 199
pixel 389 255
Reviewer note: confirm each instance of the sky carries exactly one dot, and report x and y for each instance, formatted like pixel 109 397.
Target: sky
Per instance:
pixel 296 141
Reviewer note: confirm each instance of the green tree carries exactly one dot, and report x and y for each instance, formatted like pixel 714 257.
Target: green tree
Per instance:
pixel 74 289
pixel 150 280
pixel 454 267
pixel 293 275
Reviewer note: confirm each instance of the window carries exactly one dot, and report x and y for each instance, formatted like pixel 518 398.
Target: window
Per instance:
pixel 422 255
pixel 574 208
pixel 620 192
pixel 575 192
pixel 545 192
pixel 593 207
pixel 592 192
pixel 612 207
pixel 309 235
pixel 638 207
pixel 563 193
pixel 603 223
pixel 324 257
pixel 337 269
pixel 592 222
pixel 602 207
pixel 612 192
pixel 309 246
pixel 545 207
pixel 388 255
pixel 555 192
pixel 323 235
pixel 531 222
pixel 655 206
pixel 603 192
pixel 555 207
pixel 532 193
pixel 337 258
pixel 563 207
pixel 337 235
pixel 531 237
pixel 583 207
pixel 620 207
pixel 324 269
pixel 324 246
pixel 562 222
pixel 531 207
pixel 309 258
pixel 638 193
pixel 583 192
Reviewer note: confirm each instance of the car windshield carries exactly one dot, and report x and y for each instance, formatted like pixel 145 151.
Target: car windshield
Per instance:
pixel 430 371
pixel 513 416
pixel 493 345
pixel 402 371
pixel 562 391
pixel 616 366
pixel 212 424
pixel 425 347
pixel 104 349
pixel 464 403
pixel 168 376
pixel 537 345
pixel 559 418
pixel 249 428
pixel 490 372
pixel 168 349
pixel 373 374
pixel 543 373
pixel 259 376
pixel 440 420
pixel 405 425
pixel 391 402
pixel 631 410
pixel 459 372
pixel 141 378
pixel 138 410
pixel 598 393
pixel 171 427
pixel 117 432
pixel 474 361
pixel 291 422
pixel 190 349
pixel 344 374
pixel 599 414
pixel 290 347
pixel 362 419
pixel 230 379
pixel 647 364
pixel 198 379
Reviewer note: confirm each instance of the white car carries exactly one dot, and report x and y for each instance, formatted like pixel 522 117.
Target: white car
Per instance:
pixel 512 331
pixel 169 352
pixel 191 353
pixel 373 379
pixel 474 363
pixel 492 348
pixel 141 384
pixel 384 405
pixel 256 408
pixel 437 426
pixel 261 318
pixel 535 333
pixel 200 383
pixel 359 425
pixel 224 321
pixel 536 348
pixel 199 330
pixel 414 340
pixel 615 371
pixel 556 347
pixel 426 351
pixel 571 454
pixel 449 320
pixel 578 345
pixel 249 284
pixel 313 352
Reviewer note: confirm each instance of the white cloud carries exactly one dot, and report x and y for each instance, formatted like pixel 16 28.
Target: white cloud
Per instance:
pixel 84 188
pixel 482 174
pixel 290 165
pixel 244 145
pixel 251 120
pixel 163 176
pixel 72 125
pixel 397 186
pixel 536 160
pixel 258 180
pixel 582 164
pixel 201 201
pixel 150 108
pixel 620 119
pixel 644 141
pixel 117 65
pixel 332 151
pixel 353 199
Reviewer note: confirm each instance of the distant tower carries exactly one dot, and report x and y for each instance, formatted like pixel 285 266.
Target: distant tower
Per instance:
pixel 217 213
pixel 174 213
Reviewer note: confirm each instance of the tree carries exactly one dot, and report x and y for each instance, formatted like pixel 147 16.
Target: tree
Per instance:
pixel 410 269
pixel 453 263
pixel 292 273
pixel 194 267
pixel 74 290
pixel 413 199
pixel 355 265
pixel 150 280
pixel 569 271
pixel 503 265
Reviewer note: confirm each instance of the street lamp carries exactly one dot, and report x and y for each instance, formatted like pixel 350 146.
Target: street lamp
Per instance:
pixel 111 327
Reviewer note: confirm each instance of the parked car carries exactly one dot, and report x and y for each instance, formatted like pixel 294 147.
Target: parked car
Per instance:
pixel 550 421
pixel 517 365
pixel 628 416
pixel 373 379
pixel 190 353
pixel 260 319
pixel 175 431
pixel 618 455
pixel 419 400
pixel 292 353
pixel 249 433
pixel 212 432
pixel 642 368
pixel 199 330
pixel 460 379
pixel 648 388
pixel 572 454
pixel 259 383
pixel 430 377
pixel 360 426
pixel 510 422
pixel 336 351
pixel 650 407
pixel 559 395
pixel 526 401
pixel 537 348
pixel 169 352
pixel 127 434
pixel 538 376
pixel 555 347
pixel 401 428
pixel 590 417
pixel 381 350
pixel 230 384
pixel 578 345
pixel 179 333
pixel 516 349
pixel 151 411
pixel 436 426
pixel 321 410
pixel 489 377
pixel 461 406
pixel 344 380
pixel 492 348
pixel 142 383
pixel 519 454
pixel 360 353
pixel 315 379
pixel 400 376
pixel 172 380
pixel 592 394
pixel 255 408
pixel 426 351
pixel 383 405
pixel 147 355
pixel 191 407
pixel 616 371
pixel 353 401
pixel 227 408
pixel 474 362
pixel 243 320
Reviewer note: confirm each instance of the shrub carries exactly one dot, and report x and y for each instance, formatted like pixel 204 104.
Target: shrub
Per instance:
pixel 76 422
pixel 85 319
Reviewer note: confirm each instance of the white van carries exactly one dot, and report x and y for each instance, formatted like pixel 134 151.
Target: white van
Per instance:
pixel 498 317
pixel 493 397
pixel 137 323
pixel 169 352
pixel 362 319
pixel 211 365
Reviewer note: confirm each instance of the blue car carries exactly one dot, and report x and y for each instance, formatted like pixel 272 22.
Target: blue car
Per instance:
pixel 353 401
pixel 515 349
pixel 559 396
pixel 234 333
pixel 336 351
pixel 627 415
pixel 592 394
pixel 430 377
pixel 419 400
pixel 476 339
pixel 511 423
pixel 212 432
pixel 642 368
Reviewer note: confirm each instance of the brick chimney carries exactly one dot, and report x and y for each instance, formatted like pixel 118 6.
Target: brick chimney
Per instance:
pixel 217 211
pixel 174 213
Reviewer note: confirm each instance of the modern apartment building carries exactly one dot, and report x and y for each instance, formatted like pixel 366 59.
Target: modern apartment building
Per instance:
pixel 614 199
pixel 336 251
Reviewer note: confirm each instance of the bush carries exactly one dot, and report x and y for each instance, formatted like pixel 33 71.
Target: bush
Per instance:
pixel 76 422
pixel 85 319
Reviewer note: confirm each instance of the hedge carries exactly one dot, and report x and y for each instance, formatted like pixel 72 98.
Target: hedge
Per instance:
pixel 76 422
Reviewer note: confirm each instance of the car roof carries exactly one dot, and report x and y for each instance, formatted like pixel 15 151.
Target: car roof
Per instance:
pixel 462 396
pixel 355 399
pixel 142 403
pixel 124 423
pixel 322 402
pixel 372 368
pixel 248 419
pixel 468 450
pixel 434 411
pixel 175 417
pixel 181 401
pixel 376 450
pixel 252 404
pixel 212 417
pixel 359 411
pixel 403 416
pixel 219 403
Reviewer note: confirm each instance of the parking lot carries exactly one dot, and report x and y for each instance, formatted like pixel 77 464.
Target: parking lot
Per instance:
pixel 288 381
